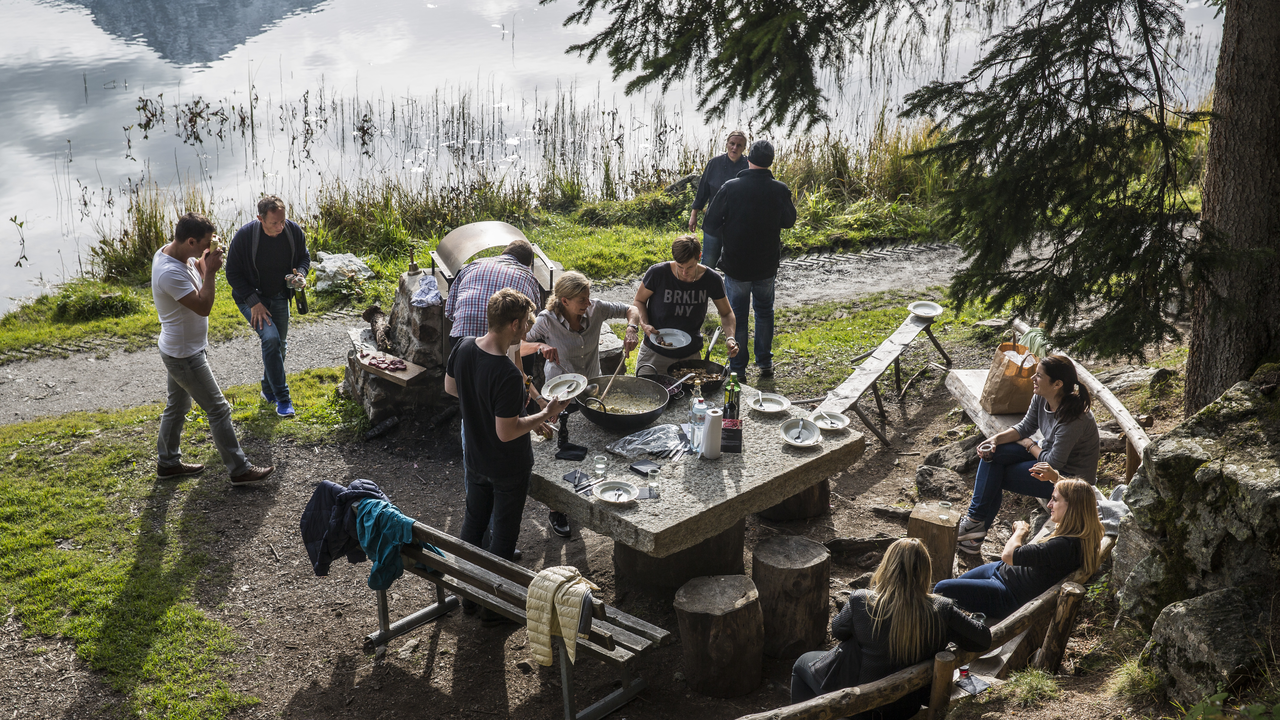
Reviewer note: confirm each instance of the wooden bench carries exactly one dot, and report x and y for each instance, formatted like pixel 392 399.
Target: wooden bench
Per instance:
pixel 966 387
pixel 1036 634
pixel 845 397
pixel 616 638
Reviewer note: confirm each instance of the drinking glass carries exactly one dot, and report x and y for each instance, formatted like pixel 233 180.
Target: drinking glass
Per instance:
pixel 601 463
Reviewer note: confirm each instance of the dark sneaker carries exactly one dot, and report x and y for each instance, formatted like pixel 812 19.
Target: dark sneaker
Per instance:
pixel 489 618
pixel 180 470
pixel 560 524
pixel 766 372
pixel 516 555
pixel 253 475
pixel 284 408
pixel 469 607
pixel 267 396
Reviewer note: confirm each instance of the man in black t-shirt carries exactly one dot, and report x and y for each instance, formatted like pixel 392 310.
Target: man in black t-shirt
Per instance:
pixel 492 397
pixel 674 295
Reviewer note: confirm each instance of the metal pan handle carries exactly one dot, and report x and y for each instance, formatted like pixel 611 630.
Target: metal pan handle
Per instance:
pixel 714 337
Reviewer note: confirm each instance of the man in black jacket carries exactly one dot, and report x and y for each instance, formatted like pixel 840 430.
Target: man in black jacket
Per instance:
pixel 266 262
pixel 748 214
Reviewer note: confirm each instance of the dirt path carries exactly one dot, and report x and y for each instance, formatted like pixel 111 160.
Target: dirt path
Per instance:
pixel 54 386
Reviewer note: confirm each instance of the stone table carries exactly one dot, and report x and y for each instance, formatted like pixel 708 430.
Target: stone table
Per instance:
pixel 697 525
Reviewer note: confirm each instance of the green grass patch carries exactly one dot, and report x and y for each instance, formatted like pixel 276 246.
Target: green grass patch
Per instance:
pixel 95 549
pixel 1030 688
pixel 1135 682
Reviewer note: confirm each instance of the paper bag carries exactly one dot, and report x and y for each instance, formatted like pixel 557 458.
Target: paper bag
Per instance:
pixel 1007 390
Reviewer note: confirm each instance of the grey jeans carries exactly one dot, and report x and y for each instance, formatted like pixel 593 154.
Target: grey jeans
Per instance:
pixel 190 378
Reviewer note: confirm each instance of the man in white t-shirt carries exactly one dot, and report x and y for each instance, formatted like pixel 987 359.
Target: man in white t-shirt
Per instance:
pixel 183 281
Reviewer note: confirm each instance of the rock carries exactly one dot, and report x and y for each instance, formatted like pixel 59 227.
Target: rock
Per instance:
pixel 862 582
pixel 1201 645
pixel 1111 437
pixel 937 483
pixel 1125 378
pixel 959 456
pixel 891 513
pixel 846 550
pixel 1160 377
pixel 408 649
pixel 1209 493
pixel 1132 545
pixel 688 182
pixel 610 352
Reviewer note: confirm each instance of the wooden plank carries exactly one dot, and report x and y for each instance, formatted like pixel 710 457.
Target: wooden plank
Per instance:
pixel 1132 430
pixel 403 378
pixel 847 393
pixel 854 700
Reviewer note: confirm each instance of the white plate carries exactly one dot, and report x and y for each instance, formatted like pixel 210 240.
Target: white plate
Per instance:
pixel 925 309
pixel 567 386
pixel 677 338
pixel 616 492
pixel 828 420
pixel 769 403
pixel 809 434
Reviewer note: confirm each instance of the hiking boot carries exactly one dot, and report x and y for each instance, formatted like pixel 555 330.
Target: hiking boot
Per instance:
pixel 180 470
pixel 253 475
pixel 284 408
pixel 971 535
pixel 560 524
pixel 489 618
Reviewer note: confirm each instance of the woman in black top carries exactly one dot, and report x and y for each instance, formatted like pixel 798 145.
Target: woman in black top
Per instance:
pixel 1025 571
pixel 894 625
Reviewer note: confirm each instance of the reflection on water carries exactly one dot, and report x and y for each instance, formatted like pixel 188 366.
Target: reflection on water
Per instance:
pixel 430 90
pixel 191 32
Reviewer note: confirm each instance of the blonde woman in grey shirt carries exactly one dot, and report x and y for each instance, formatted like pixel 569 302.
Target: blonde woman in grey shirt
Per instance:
pixel 567 333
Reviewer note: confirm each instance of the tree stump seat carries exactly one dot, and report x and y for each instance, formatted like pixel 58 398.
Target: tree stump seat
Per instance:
pixel 792 575
pixel 722 633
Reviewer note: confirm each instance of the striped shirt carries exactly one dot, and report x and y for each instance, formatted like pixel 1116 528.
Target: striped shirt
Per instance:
pixel 579 351
pixel 468 304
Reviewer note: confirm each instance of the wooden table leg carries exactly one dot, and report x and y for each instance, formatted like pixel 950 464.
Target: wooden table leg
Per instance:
pixel 897 374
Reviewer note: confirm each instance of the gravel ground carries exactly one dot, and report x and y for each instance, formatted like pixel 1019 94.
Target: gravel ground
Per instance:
pixel 54 386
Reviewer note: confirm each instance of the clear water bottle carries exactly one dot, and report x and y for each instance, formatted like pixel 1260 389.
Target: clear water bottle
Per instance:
pixel 697 424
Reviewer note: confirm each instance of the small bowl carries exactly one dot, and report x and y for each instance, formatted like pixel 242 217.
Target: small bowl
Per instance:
pixel 567 386
pixel 808 433
pixel 830 421
pixel 925 309
pixel 677 338
pixel 616 492
pixel 769 403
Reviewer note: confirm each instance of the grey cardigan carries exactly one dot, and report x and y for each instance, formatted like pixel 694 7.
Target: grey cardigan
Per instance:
pixel 1070 448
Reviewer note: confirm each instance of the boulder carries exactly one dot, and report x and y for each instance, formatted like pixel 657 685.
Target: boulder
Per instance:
pixel 1208 501
pixel 938 483
pixel 1125 378
pixel 1132 546
pixel 960 456
pixel 610 351
pixel 688 183
pixel 1201 645
pixel 1111 437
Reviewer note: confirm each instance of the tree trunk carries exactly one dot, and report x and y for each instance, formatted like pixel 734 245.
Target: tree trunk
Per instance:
pixel 1236 321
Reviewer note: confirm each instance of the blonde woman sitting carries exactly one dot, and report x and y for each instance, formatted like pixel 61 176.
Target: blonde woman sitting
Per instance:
pixel 567 333
pixel 894 625
pixel 1024 571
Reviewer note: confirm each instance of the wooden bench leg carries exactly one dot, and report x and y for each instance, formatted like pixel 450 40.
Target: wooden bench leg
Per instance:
pixel 897 374
pixel 1064 621
pixel 944 667
pixel 388 631
pixel 945 357
pixel 875 391
pixel 870 426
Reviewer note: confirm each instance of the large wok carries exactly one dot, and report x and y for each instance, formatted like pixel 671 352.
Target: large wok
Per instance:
pixel 640 393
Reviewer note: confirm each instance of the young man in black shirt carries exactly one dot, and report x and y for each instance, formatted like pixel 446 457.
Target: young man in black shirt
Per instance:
pixel 262 254
pixel 492 397
pixel 674 295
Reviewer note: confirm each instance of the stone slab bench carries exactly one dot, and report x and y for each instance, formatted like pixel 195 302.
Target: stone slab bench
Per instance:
pixel 615 638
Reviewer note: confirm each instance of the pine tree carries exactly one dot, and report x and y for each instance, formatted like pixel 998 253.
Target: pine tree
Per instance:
pixel 1065 144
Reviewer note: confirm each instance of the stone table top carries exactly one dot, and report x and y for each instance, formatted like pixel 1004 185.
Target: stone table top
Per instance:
pixel 699 498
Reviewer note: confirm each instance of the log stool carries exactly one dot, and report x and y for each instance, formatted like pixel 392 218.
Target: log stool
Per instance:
pixel 722 632
pixel 792 575
pixel 937 526
pixel 812 502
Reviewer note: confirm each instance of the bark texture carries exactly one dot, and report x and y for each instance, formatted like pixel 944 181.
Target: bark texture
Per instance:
pixel 1236 318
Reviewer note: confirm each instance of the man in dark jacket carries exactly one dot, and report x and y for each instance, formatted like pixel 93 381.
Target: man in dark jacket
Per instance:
pixel 267 261
pixel 748 214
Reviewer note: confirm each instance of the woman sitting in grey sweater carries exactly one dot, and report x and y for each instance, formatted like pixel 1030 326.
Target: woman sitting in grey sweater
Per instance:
pixel 1060 411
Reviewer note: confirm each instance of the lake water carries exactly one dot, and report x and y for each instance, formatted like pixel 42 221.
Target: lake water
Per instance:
pixel 396 71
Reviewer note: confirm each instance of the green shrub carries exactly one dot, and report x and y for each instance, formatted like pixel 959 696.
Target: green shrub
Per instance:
pixel 87 300
pixel 1135 682
pixel 651 209
pixel 148 225
pixel 1031 688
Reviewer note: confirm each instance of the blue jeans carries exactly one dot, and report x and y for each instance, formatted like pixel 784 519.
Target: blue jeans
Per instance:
pixel 497 504
pixel 190 378
pixel 980 590
pixel 710 250
pixel 1008 469
pixel 759 293
pixel 274 337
